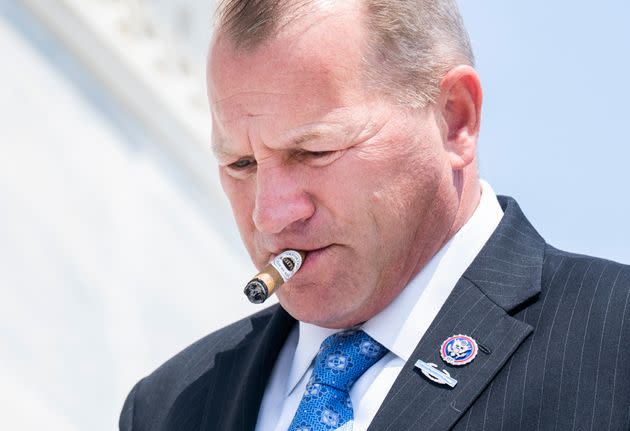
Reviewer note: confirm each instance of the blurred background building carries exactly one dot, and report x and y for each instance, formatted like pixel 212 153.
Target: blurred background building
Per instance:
pixel 117 247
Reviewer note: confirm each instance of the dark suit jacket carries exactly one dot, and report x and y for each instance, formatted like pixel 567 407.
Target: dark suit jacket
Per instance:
pixel 554 331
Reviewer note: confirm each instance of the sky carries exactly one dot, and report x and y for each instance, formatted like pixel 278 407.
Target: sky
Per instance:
pixel 555 116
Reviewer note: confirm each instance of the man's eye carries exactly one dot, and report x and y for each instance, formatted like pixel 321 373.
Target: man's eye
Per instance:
pixel 318 158
pixel 319 154
pixel 242 164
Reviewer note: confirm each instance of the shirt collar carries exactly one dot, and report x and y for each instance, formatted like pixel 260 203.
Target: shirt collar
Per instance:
pixel 309 339
pixel 401 325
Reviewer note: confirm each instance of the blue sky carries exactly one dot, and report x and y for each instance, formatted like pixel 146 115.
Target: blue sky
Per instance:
pixel 555 118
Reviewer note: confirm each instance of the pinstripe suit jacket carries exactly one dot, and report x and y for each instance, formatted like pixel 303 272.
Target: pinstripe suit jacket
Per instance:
pixel 554 329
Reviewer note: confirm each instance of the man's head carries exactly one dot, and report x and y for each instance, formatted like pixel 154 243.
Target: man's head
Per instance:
pixel 325 146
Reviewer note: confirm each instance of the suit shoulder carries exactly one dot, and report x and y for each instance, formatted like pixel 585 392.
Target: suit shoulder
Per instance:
pixel 157 392
pixel 200 354
pixel 554 254
pixel 585 272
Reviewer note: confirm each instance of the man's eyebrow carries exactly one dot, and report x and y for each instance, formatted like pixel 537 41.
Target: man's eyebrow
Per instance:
pixel 290 141
pixel 298 140
pixel 308 133
pixel 219 149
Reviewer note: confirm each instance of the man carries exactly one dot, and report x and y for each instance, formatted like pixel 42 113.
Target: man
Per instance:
pixel 348 130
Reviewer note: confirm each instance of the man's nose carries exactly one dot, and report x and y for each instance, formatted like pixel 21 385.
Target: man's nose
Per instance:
pixel 281 199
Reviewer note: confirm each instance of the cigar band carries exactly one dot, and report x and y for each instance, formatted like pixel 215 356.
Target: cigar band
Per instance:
pixel 287 263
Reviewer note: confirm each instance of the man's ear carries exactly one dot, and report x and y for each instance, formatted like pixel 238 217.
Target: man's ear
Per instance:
pixel 460 106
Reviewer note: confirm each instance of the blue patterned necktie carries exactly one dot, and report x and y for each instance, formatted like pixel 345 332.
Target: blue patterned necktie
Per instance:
pixel 342 359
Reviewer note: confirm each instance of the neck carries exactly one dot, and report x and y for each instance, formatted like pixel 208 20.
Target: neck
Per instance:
pixel 468 188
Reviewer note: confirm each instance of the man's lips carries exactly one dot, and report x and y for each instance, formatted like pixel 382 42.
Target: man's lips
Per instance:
pixel 307 249
pixel 313 256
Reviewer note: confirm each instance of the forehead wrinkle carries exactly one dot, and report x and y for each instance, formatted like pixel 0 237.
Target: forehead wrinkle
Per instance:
pixel 220 142
pixel 238 111
pixel 247 93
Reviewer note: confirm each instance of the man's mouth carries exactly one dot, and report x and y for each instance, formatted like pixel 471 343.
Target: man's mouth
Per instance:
pixel 314 256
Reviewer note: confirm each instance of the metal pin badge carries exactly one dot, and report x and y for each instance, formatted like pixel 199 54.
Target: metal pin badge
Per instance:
pixel 459 350
pixel 430 370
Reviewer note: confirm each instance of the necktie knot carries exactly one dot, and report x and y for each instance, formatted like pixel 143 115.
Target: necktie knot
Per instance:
pixel 342 359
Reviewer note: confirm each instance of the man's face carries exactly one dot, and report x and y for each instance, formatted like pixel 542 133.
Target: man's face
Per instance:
pixel 311 160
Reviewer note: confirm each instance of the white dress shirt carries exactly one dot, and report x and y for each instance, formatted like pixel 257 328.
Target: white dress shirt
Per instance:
pixel 399 327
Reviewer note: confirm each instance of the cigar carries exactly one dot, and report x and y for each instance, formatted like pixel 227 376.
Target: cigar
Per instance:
pixel 275 274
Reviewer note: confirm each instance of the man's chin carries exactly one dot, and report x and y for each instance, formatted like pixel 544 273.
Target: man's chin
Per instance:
pixel 318 308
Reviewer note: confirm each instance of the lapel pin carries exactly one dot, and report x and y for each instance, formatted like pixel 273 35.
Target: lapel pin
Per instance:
pixel 459 350
pixel 431 371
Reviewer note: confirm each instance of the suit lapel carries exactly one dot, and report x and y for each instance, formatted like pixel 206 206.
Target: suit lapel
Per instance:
pixel 249 371
pixel 504 277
